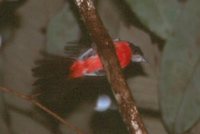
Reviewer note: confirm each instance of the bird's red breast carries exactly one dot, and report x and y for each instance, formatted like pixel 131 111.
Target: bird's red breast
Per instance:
pixel 92 64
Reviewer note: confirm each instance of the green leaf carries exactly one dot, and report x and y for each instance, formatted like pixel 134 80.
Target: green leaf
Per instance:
pixel 63 28
pixel 110 16
pixel 180 72
pixel 158 15
pixel 9 20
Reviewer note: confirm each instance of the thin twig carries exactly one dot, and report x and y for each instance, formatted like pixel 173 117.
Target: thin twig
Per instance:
pixel 106 51
pixel 42 107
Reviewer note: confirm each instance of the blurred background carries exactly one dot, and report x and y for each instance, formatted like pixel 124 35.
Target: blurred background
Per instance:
pixel 166 89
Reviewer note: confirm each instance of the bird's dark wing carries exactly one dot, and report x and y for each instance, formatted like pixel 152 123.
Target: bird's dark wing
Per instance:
pixel 52 85
pixel 52 66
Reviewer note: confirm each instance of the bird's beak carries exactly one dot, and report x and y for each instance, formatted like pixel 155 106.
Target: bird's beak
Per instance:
pixel 138 58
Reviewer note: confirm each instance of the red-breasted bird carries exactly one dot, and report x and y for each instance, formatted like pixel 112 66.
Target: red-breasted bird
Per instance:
pixel 66 82
pixel 89 64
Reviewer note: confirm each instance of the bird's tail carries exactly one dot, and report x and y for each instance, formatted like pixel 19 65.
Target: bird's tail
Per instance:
pixel 52 66
pixel 53 83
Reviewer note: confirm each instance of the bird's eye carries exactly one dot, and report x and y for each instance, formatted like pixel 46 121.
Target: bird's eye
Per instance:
pixel 137 50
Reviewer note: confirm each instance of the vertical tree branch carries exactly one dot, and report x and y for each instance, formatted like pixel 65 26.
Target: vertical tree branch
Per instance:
pixel 106 51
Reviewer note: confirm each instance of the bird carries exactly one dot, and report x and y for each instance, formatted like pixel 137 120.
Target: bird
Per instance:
pixel 65 82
